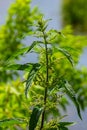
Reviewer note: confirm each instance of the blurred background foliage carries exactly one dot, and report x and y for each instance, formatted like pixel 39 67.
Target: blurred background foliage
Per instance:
pixel 11 95
pixel 19 22
pixel 74 13
pixel 18 25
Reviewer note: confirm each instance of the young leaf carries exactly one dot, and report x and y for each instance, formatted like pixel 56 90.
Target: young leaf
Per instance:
pixel 12 121
pixel 71 94
pixel 34 118
pixel 31 76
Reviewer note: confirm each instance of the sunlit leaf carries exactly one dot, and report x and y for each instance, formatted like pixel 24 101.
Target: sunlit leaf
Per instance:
pixel 34 118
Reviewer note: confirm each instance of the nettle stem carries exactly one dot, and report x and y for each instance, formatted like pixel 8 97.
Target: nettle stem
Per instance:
pixel 46 86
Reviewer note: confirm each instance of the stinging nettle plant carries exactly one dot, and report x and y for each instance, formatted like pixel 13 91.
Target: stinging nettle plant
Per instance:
pixel 44 87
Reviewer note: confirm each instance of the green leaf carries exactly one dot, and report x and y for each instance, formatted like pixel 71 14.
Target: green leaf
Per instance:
pixel 66 54
pixel 12 121
pixel 19 52
pixel 64 124
pixel 23 51
pixel 31 76
pixel 32 45
pixel 69 89
pixel 21 67
pixel 71 94
pixel 63 128
pixel 34 118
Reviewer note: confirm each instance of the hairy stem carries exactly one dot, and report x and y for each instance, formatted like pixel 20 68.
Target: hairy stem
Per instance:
pixel 45 94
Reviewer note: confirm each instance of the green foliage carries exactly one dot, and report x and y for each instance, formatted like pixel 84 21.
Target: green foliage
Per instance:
pixel 74 13
pixel 18 25
pixel 48 81
pixel 75 45
pixel 11 95
pixel 55 125
pixel 45 76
